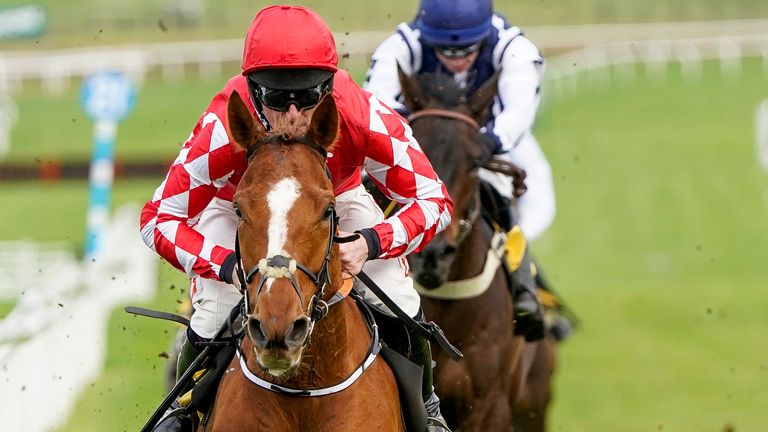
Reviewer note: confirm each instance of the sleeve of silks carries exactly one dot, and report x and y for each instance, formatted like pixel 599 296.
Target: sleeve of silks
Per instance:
pixel 519 92
pixel 204 165
pixel 395 162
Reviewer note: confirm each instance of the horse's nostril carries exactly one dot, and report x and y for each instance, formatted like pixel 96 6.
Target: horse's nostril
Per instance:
pixel 298 332
pixel 256 333
pixel 449 250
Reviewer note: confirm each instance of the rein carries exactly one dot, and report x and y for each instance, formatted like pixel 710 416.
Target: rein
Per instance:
pixel 437 112
pixel 493 164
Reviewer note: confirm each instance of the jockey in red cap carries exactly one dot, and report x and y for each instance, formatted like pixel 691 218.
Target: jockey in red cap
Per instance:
pixel 289 64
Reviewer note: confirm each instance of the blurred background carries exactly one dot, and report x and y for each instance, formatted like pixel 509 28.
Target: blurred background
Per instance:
pixel 654 118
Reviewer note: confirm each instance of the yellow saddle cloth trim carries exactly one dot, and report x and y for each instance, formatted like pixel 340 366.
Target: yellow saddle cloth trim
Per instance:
pixel 547 299
pixel 186 398
pixel 514 248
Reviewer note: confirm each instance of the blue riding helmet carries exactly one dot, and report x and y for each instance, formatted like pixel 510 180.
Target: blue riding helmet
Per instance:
pixel 454 22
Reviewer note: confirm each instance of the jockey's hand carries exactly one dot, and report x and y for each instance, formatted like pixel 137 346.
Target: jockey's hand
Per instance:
pixel 518 182
pixel 228 272
pixel 352 255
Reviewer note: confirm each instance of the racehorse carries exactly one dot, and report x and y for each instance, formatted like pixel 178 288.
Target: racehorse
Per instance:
pixel 500 374
pixel 303 365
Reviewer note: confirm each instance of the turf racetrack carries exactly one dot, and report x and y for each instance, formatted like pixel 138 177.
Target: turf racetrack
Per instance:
pixel 659 245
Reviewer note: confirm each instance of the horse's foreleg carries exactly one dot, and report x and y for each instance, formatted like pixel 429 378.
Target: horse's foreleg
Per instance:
pixel 530 406
pixel 489 407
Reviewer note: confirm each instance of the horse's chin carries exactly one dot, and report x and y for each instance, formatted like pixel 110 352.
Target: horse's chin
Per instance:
pixel 278 363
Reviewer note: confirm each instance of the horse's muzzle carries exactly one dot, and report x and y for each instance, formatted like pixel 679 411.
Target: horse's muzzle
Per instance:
pixel 289 340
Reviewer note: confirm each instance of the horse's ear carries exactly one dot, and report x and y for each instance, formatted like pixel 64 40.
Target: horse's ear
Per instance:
pixel 481 99
pixel 243 128
pixel 324 126
pixel 415 97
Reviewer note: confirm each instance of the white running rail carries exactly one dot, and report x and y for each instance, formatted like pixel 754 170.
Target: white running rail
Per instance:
pixel 586 47
pixel 53 343
pixel 761 133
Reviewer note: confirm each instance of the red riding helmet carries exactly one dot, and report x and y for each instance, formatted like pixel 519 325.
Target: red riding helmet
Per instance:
pixel 289 37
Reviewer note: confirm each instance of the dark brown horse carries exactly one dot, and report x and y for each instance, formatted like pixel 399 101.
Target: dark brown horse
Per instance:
pixel 463 285
pixel 286 203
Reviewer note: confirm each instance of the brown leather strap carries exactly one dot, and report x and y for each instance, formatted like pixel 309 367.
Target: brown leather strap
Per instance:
pixel 436 112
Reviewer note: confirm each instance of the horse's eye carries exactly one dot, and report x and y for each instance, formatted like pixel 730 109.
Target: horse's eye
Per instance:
pixel 328 213
pixel 237 210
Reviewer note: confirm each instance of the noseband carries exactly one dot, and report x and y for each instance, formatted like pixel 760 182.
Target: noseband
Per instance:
pixel 284 266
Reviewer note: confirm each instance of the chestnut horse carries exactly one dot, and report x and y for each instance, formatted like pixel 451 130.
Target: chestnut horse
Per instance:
pixel 298 369
pixel 500 374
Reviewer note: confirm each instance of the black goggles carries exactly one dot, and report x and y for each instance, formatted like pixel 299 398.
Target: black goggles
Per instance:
pixel 458 51
pixel 281 100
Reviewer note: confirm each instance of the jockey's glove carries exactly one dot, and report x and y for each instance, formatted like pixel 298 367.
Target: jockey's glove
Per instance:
pixel 228 271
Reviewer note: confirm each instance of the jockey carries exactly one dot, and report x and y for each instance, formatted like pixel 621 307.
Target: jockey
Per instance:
pixel 289 64
pixel 466 39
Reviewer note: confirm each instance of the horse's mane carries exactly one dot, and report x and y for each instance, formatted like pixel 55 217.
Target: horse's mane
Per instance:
pixel 289 131
pixel 285 139
pixel 443 88
pixel 290 127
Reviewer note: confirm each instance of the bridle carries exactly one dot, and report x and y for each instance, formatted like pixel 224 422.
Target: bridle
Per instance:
pixel 284 266
pixel 473 212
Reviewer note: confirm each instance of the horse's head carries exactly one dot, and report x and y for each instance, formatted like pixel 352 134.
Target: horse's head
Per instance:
pixel 446 123
pixel 286 204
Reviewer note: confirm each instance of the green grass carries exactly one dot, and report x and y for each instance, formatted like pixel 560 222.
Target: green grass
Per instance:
pixel 162 119
pixel 659 245
pixel 55 211
pixel 5 307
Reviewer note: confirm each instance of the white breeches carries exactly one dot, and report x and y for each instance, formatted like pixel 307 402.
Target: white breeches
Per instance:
pixel 212 300
pixel 536 208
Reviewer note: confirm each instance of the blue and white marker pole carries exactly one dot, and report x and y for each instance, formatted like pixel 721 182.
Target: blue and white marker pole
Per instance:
pixel 107 98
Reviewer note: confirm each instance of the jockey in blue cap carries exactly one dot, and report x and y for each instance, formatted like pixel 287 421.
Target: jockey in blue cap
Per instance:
pixel 466 39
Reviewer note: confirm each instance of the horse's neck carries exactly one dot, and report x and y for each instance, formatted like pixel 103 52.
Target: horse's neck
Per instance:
pixel 338 346
pixel 472 252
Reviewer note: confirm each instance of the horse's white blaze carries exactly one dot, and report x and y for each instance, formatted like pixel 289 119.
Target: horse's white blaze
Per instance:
pixel 280 200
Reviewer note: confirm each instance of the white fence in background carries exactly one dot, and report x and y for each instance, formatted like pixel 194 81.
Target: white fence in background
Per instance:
pixel 606 61
pixel 24 266
pixel 761 133
pixel 587 47
pixel 9 113
pixel 55 69
pixel 53 343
